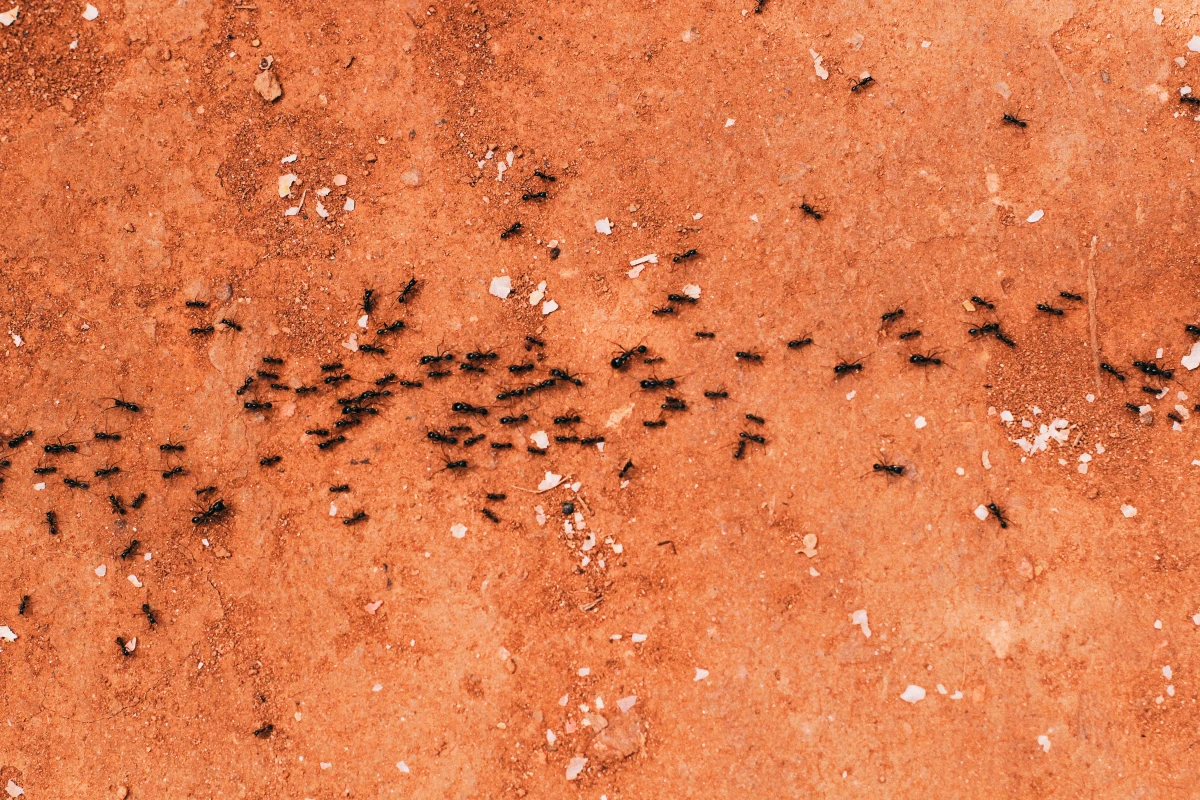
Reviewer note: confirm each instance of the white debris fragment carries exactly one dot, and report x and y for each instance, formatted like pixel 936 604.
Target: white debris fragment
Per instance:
pixel 692 290
pixel 351 344
pixel 333 510
pixel 638 638
pixel 101 571
pixel 294 210
pixel 1158 16
pixel 540 515
pixel 729 122
pixel 851 393
pixel 458 530
pixel 17 340
pixel 913 694
pixel 941 689
pixel 39 487
pixel 321 212
pixel 501 286
pixel 633 273
pixel 1129 511
pixel 701 674
pixel 1044 742
pixel 349 204
pixel 1158 624
pixel 810 545
pixel 1091 398
pixel 372 607
pixel 363 320
pixel 549 482
pixel 987 462
pixel 859 618
pixel 541 439
pixel 1193 43
pixel 583 672
pixel 822 73
pixel 1035 216
pixel 652 258
pixel 626 703
pixel 697 216
pixel 134 580
pixel 340 180
pixel 9 17
pixel 549 307
pixel 1056 430
pixel 1167 673
pixel 131 645
pixel 501 167
pixel 400 765
pixel 919 422
pixel 324 191
pixel 981 511
pixel 538 294
pixel 90 12
pixel 1192 359
pixel 14 790
pixel 1006 416
pixel 288 159
pixel 575 766
pixel 604 226
pixel 958 695
pixel 7 634
pixel 285 184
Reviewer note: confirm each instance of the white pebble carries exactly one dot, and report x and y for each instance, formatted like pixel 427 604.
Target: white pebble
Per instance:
pixel 349 204
pixel 604 226
pixel 913 694
pixel 12 788
pixel 134 580
pixel 1035 216
pixel 638 638
pixel 626 703
pixel 1158 16
pixel 575 766
pixel 981 511
pixel 1193 43
pixel 1006 416
pixel 584 672
pixel 1128 511
pixel 101 571
pixel 1167 672
pixel 91 12
pixel 919 422
pixel 541 439
pixel 501 286
pixel 859 618
pixel 701 674
pixel 400 765
pixel 1158 624
pixel 549 307
pixel 1044 741
pixel 7 634
pixel 458 530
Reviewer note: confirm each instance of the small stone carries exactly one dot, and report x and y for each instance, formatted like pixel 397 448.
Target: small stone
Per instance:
pixel 268 86
pixel 221 552
pixel 122 792
pixel 255 43
pixel 510 665
pixel 619 739
pixel 411 177
pixel 370 158
pixel 129 227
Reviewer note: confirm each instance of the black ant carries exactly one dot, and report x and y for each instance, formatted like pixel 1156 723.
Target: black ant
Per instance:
pixel 663 311
pixel 395 327
pixel 693 253
pixel 910 334
pixel 1069 296
pixel 106 472
pixel 196 303
pixel 1111 370
pixel 562 374
pixel 862 84
pixel 1005 339
pixel 45 470
pixel 802 342
pixel 368 301
pixel 125 651
pixel 655 383
pixel 845 368
pixel 438 373
pixel 534 196
pixel 265 731
pixel 535 451
pixel 205 490
pixel 660 423
pixel 317 431
pixel 331 367
pixel 328 443
pixel 174 472
pixel 407 290
pixel 519 368
pixel 756 418
pixel 305 389
pixel 741 450
pixel 254 405
pixel 386 379
pixel 137 501
pixel 117 506
pixel 1190 100
pixel 436 436
pixel 341 488
pixel 19 439
pixel 619 362
pixel 204 331
pixel 347 423
pixel 149 614
pixel 1046 309
pixel 571 420
pixel 245 385
pixel 1135 408
pixel 682 298
pixel 758 6
pixel 74 483
pixel 890 469
pixel 533 341
pixel 497 497
pixel 1013 120
pixel 998 514
pixel 891 316
pixel 438 357
pixel 752 437
pixel 482 355
pixel 52 522
pixel 979 301
pixel 924 361
pixel 455 465
pixel 211 514
pixel 1194 330
pixel 133 408
pixel 467 408
pixel 657 360
pixel 371 348
pixel 228 323
pixel 1171 415
pixel 674 404
pixel 812 212
pixel 1151 390
pixel 717 395
pixel 57 449
pixel 23 606
pixel 271 376
pixel 334 380
pixel 548 178
pixel 502 445
pixel 514 420
pixel 567 439
pixel 358 517
pixel 269 461
pixel 513 230
pixel 587 441
pixel 459 429
pixel 982 330
pixel 474 440
pixel 1151 368
pixel 705 335
pixel 625 469
pixel 487 512
pixel 744 355
pixel 272 360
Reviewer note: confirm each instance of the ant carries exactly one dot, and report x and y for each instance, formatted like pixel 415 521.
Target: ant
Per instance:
pixel 1013 120
pixel 341 488
pixel 272 360
pixel 519 368
pixel 1005 339
pixel 845 368
pixel 625 469
pixel 137 501
pixel 991 327
pixel 386 379
pixel 566 439
pixel 211 514
pixel 705 335
pixel 482 355
pixel 534 196
pixel 117 506
pixel 533 341
pixel 270 376
pixel 106 472
pixel 514 420
pixel 441 437
pixel 124 645
pixel 133 408
pixel 562 374
pixel 862 84
pixel 412 384
pixel 104 436
pixel 76 484
pixel 368 301
pixel 245 385
pixel 1111 370
pixel 501 445
pixel 741 450
pixel 1150 368
pixel 305 389
pixel 756 418
pixel 812 212
pixel 467 408
pixel 474 440
pixel 228 323
pixel 674 404
pixel 1171 415
pixel 548 178
pixel 661 423
pixel 205 331
pixel 1046 309
pixel 619 362
pixel 23 606
pixel 681 298
pixel 535 451
pixel 998 514
pixel 265 731
pixel 744 355
pixel 1194 330
pixel 331 367
pixel 254 405
pixel 1151 390
pixel 890 469
pixel 497 497
pixel 174 472
pixel 752 437
pixel 56 449
pixel 205 490
pixel 663 311
pixel 1190 100
pixel 588 441
pixel 802 342
pixel 328 443
pixel 693 253
pixel 149 615
pixel 513 230
pixel 910 334
pixel 19 439
pixel 1069 296
pixel 317 431
pixel 655 383
pixel 434 359
pixel 717 395
pixel 979 301
pixel 1135 408
pixel 45 470
pixel 571 420
pixel 455 465
pixel 370 348
pixel 407 290
pixel 358 517
pixel 924 361
pixel 487 512
pixel 196 304
pixel 347 423
pixel 269 461
pixel 891 316
pixel 334 380
pixel 657 360
pixel 52 522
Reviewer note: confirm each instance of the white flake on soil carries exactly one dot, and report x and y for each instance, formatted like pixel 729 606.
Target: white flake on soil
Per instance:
pixel 1167 673
pixel 541 439
pixel 1158 16
pixel 400 765
pixel 913 694
pixel 1192 359
pixel 134 580
pixel 1044 742
pixel 14 790
pixel 1193 44
pixel 604 226
pixel 7 634
pixel 626 703
pixel 638 638
pixel 822 73
pixel 575 766
pixel 859 618
pixel 1129 511
pixel 349 204
pixel 91 12
pixel 285 184
pixel 1035 216
pixel 101 571
pixel 981 511
pixel 692 290
pixel 701 674
pixel 9 17
pixel 501 286
pixel 549 482
pixel 458 530
pixel 919 422
pixel 549 307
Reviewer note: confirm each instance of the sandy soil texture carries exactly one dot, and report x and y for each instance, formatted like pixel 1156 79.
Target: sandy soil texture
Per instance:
pixel 598 400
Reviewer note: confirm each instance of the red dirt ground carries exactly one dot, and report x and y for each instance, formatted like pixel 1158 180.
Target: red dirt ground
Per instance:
pixel 139 170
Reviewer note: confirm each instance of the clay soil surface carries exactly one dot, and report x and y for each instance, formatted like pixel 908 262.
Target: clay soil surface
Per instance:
pixel 727 597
